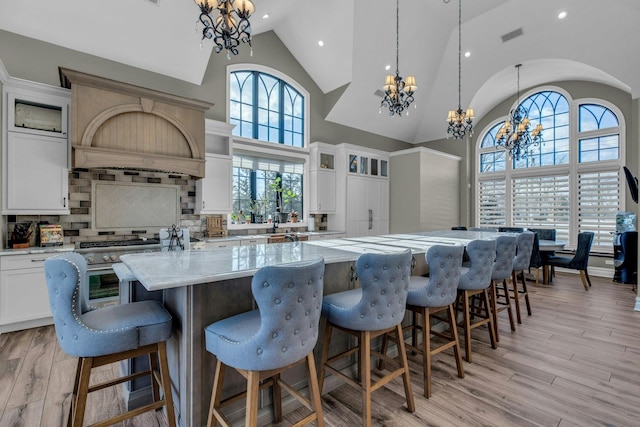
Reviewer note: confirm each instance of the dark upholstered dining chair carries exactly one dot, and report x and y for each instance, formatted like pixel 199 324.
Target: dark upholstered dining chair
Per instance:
pixel 580 260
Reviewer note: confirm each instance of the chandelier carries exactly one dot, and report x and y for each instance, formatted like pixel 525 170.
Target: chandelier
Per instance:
pixel 229 27
pixel 460 122
pixel 398 94
pixel 514 135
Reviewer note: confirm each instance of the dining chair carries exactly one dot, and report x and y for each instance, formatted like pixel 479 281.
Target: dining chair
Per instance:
pixel 372 310
pixel 511 229
pixel 544 234
pixel 475 282
pixel 263 343
pixel 521 262
pixel 502 269
pixel 429 297
pixel 580 261
pixel 106 335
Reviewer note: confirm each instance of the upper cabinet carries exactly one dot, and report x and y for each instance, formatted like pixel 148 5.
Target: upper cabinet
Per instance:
pixel 213 192
pixel 37 114
pixel 322 178
pixel 35 149
pixel 367 164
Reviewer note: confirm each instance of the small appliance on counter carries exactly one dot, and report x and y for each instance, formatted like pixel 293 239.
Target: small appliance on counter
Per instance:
pixel 51 235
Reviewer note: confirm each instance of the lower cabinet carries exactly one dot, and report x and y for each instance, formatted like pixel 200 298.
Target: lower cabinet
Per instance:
pixel 23 291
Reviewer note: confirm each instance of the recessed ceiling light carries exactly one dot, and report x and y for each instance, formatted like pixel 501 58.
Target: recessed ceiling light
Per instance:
pixel 467 54
pixel 388 67
pixel 265 16
pixel 320 43
pixel 562 15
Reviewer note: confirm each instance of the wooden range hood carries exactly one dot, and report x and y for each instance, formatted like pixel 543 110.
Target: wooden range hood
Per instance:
pixel 118 125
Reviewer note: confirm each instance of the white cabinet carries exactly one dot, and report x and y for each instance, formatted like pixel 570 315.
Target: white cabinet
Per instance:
pixel 35 149
pixel 322 178
pixel 214 191
pixel 367 206
pixel 23 291
pixel 36 175
pixel 323 191
pixel 226 243
pixel 362 191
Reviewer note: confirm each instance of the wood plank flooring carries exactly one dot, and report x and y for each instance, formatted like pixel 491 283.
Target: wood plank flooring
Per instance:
pixel 574 362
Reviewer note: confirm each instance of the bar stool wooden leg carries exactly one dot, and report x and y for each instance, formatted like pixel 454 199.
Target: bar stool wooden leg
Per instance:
pixel 253 394
pixel 216 394
pixel 365 375
pixel 492 329
pixel 454 333
pixel 505 289
pixel 426 351
pixel 314 390
pixel 406 377
pixel 516 295
pixel 166 382
pixel 467 325
pixel 277 399
pixel 494 309
pixel 326 342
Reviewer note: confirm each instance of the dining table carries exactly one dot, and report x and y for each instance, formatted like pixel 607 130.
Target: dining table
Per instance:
pixel 550 246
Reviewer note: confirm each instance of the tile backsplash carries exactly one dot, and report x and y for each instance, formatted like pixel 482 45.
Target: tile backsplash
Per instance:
pixel 77 226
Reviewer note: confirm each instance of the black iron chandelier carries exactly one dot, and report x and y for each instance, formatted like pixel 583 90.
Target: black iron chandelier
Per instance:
pixel 515 135
pixel 398 94
pixel 460 122
pixel 231 25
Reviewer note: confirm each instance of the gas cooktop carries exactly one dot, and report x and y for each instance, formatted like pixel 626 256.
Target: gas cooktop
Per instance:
pixel 110 243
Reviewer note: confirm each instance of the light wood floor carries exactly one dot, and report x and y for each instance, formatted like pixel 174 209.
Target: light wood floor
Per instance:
pixel 575 362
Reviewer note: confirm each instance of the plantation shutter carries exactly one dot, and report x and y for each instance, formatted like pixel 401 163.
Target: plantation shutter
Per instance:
pixel 598 202
pixel 492 205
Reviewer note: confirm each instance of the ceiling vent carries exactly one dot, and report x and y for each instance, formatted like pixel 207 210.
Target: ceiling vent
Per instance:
pixel 379 93
pixel 153 1
pixel 512 35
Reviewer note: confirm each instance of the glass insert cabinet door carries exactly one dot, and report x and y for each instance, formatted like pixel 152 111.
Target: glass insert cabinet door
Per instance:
pixel 326 161
pixel 353 163
pixel 364 165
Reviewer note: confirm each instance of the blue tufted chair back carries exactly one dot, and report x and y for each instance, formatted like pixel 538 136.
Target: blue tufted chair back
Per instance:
pixel 524 247
pixel 290 302
pixel 482 254
pixel 385 280
pixel 101 331
pixel 441 289
pixel 505 253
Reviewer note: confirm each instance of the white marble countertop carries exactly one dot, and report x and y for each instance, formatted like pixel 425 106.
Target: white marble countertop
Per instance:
pixel 163 270
pixel 36 250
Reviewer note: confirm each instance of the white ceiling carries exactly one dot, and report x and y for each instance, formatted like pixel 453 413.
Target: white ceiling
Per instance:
pixel 598 41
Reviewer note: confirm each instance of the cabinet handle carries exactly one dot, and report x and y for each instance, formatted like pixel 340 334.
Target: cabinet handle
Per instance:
pixel 39 260
pixel 64 202
pixel 370 219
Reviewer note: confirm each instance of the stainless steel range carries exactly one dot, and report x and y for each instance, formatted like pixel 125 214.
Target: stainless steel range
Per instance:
pixel 100 256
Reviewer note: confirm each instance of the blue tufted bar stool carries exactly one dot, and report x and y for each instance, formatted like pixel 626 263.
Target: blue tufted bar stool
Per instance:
pixel 262 343
pixel 107 335
pixel 475 282
pixel 373 310
pixel 430 296
pixel 502 270
pixel 524 248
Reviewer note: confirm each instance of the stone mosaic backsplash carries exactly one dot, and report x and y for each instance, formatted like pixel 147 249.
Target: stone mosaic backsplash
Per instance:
pixel 77 226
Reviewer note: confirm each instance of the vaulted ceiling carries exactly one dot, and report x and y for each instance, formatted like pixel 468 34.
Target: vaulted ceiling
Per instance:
pixel 598 41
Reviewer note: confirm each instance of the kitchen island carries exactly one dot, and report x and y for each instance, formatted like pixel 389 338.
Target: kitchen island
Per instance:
pixel 200 287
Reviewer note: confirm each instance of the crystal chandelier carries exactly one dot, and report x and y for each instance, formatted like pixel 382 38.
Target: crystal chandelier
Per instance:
pixel 460 122
pixel 229 27
pixel 398 94
pixel 514 135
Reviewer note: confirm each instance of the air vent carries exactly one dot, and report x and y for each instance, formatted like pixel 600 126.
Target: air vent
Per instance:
pixel 379 93
pixel 512 35
pixel 153 1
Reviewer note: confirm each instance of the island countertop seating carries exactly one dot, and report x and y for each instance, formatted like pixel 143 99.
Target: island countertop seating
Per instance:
pixel 199 287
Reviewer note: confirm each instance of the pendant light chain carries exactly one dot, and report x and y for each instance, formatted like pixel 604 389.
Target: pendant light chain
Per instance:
pixel 459 54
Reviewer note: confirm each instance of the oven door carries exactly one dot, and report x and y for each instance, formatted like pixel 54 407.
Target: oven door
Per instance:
pixel 104 286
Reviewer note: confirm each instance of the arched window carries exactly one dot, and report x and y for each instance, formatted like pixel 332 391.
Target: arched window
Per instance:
pixel 571 181
pixel 266 108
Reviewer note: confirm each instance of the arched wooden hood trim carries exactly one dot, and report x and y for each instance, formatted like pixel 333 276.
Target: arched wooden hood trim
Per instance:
pixel 117 125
